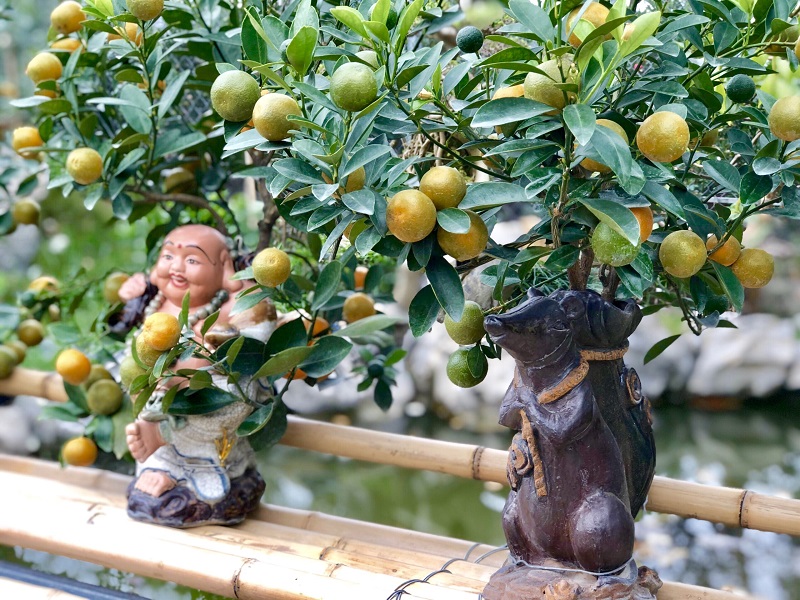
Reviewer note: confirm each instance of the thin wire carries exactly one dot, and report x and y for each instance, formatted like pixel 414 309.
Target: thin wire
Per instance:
pixel 519 561
pixel 490 552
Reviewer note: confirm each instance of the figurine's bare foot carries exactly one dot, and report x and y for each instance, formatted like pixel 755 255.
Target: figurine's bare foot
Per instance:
pixel 154 483
pixel 143 438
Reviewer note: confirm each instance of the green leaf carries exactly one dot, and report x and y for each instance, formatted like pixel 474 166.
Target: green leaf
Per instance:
pixel 327 353
pixel 476 362
pixel 723 173
pixel 208 323
pixel 62 412
pixel 581 121
pixel 327 284
pixel 171 142
pixel 643 27
pixel 616 216
pixel 486 195
pixel 446 286
pixel 300 51
pixel 383 395
pixel 305 16
pixel 362 157
pixel 659 347
pixel 283 361
pixel 289 335
pixel 731 284
pixel 253 43
pixel 407 17
pixel 120 420
pixel 508 110
pixel 453 220
pixel 754 187
pixel 171 93
pixel 249 358
pixel 534 19
pixel 610 149
pixel 360 201
pixel 298 170
pixel 378 31
pixel 269 436
pixel 423 311
pixel 562 258
pixel 256 420
pixel 351 18
pixel 77 396
pixel 202 402
pixel 136 109
pixel 102 430
pixel 657 193
pixel 367 325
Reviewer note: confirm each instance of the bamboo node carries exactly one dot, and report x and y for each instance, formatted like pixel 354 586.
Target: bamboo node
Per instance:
pixel 743 508
pixel 235 581
pixel 476 461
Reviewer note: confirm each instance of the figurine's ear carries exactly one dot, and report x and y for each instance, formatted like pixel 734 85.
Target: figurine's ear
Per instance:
pixel 228 271
pixel 535 293
pixel 573 307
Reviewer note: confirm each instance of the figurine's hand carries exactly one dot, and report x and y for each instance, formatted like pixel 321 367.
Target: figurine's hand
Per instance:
pixel 134 287
pixel 143 438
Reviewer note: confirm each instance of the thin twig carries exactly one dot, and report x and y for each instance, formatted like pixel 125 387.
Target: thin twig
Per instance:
pixel 189 200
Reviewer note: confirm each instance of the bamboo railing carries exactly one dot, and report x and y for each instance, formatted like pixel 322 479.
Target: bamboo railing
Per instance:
pixel 728 506
pixel 289 554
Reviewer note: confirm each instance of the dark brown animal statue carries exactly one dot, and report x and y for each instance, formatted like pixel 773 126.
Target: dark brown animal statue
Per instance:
pixel 569 499
pixel 601 329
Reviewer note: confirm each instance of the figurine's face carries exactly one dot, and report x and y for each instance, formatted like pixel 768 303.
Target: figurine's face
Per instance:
pixel 193 259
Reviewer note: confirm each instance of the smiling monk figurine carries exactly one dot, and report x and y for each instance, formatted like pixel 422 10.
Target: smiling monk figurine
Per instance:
pixel 194 470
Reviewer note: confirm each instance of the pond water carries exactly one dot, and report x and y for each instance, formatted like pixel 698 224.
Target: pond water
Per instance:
pixel 757 447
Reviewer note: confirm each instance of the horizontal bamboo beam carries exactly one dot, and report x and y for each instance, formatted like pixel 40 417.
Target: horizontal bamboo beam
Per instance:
pixel 277 553
pixel 729 506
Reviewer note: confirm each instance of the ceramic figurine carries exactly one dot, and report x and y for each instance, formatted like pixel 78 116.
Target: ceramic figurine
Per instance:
pixel 193 470
pixel 568 518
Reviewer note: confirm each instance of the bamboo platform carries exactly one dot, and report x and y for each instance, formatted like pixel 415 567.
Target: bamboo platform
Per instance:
pixel 10 588
pixel 282 553
pixel 278 553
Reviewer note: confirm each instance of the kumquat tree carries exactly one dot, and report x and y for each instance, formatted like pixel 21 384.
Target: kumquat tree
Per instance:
pixel 379 135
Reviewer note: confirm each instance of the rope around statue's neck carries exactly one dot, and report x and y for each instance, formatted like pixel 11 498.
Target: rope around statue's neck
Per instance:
pixel 572 380
pixel 611 354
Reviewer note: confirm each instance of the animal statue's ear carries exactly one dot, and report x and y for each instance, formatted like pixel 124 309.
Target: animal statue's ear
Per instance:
pixel 573 306
pixel 535 293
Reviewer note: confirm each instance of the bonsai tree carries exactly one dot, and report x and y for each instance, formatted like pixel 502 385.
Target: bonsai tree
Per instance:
pixel 374 138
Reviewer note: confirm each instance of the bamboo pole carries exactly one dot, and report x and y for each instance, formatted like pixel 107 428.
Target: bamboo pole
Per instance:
pixel 10 588
pixel 92 525
pixel 729 506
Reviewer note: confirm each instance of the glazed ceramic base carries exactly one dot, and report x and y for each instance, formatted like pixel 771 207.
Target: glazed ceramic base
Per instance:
pixel 179 507
pixel 514 582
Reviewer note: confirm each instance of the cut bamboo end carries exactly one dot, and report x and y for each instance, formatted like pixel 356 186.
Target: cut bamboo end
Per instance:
pixel 28 382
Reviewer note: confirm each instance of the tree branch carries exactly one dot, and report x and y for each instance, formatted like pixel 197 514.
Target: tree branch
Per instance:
pixel 271 215
pixel 189 200
pixel 579 272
